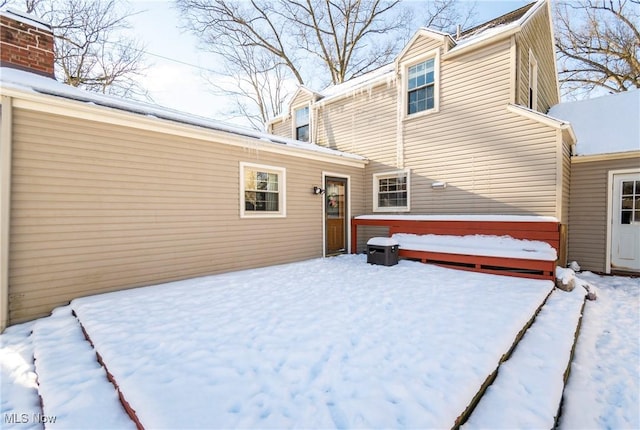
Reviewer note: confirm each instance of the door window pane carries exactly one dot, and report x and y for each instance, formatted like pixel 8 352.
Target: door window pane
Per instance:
pixel 630 202
pixel 627 187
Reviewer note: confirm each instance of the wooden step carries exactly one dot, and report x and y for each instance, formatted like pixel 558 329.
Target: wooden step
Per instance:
pixel 73 386
pixel 527 391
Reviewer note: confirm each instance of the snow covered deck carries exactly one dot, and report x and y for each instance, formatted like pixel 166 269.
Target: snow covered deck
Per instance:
pixel 302 346
pixel 523 246
pixel 329 343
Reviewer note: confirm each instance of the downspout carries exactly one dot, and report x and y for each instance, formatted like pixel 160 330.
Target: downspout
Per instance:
pixel 5 202
pixel 399 122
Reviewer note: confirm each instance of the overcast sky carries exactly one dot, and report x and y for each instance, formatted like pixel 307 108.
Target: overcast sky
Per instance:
pixel 175 80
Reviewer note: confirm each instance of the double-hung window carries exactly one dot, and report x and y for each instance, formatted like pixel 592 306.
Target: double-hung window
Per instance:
pixel 391 191
pixel 302 123
pixel 421 86
pixel 262 191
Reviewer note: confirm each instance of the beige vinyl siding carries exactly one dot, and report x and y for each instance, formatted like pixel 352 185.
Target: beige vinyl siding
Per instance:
pixel 493 161
pixel 536 36
pixel 363 124
pixel 588 210
pixel 421 45
pixel 302 97
pixel 98 208
pixel 497 163
pixel 282 127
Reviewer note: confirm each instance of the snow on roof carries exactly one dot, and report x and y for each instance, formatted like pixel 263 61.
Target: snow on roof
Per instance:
pixel 476 34
pixel 30 82
pixel 608 124
pixel 26 18
pixel 514 16
pixel 360 82
pixel 496 26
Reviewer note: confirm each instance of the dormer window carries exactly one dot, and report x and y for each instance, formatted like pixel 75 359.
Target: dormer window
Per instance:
pixel 421 87
pixel 301 116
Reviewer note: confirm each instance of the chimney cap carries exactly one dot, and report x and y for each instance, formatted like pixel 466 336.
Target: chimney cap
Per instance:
pixel 25 18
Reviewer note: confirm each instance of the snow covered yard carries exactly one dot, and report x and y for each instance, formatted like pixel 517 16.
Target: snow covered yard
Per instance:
pixel 325 343
pixel 603 391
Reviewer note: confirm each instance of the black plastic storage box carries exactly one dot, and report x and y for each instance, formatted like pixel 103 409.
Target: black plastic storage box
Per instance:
pixel 382 251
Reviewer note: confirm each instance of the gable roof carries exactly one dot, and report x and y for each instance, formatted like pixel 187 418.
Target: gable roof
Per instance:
pixel 22 84
pixel 604 125
pixel 505 19
pixel 303 89
pixel 497 28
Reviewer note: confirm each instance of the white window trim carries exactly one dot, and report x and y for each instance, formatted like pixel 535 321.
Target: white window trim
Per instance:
pixel 532 90
pixel 404 67
pixel 376 189
pixel 293 121
pixel 282 191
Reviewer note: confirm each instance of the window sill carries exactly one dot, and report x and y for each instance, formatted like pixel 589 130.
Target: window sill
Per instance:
pixel 420 114
pixel 261 216
pixel 392 210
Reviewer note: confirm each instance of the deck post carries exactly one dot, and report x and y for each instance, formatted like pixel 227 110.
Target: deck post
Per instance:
pixel 354 236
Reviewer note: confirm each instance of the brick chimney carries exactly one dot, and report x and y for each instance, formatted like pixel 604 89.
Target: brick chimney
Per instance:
pixel 26 43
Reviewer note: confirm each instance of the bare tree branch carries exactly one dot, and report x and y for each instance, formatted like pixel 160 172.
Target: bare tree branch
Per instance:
pixel 334 39
pixel 598 42
pixel 90 51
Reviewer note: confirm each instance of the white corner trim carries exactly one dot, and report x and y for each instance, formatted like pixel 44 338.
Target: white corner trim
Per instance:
pixel 513 67
pixel 6 122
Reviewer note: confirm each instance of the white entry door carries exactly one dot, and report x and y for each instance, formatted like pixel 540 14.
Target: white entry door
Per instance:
pixel 625 222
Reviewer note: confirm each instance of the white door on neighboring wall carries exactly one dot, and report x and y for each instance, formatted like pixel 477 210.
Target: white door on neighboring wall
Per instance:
pixel 625 222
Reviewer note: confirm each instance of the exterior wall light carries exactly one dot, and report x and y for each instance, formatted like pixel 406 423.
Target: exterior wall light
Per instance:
pixel 439 185
pixel 318 190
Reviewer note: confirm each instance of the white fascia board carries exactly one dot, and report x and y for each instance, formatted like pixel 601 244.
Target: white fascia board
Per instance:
pixel 481 42
pixel 577 159
pixel 59 105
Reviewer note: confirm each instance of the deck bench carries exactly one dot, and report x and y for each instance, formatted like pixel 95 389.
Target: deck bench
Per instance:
pixel 534 265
